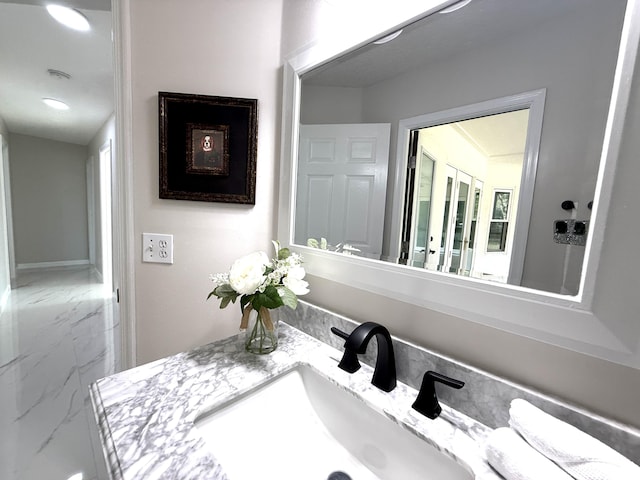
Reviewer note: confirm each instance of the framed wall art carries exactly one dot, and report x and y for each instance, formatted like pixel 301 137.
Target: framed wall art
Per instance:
pixel 208 148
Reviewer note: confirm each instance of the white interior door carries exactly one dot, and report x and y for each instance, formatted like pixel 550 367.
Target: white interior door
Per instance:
pixel 456 221
pixel 342 183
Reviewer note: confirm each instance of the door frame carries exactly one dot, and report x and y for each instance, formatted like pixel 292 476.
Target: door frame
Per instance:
pixel 533 100
pixel 122 199
pixel 105 167
pixel 4 146
pixel 461 177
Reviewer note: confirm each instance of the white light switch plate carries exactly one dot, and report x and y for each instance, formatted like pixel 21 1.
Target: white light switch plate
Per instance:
pixel 157 248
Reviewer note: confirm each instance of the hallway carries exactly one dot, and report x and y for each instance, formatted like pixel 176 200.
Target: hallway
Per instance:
pixel 58 334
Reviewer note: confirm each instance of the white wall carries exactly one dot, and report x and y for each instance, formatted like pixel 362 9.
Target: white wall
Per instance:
pixel 106 133
pixel 596 384
pixel 49 200
pixel 502 174
pixel 211 47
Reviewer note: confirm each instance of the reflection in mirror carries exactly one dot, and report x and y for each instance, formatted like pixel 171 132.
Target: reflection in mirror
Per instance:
pixel 453 164
pixel 443 215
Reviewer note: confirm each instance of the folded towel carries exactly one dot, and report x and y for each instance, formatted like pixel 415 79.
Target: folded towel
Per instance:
pixel 576 452
pixel 515 459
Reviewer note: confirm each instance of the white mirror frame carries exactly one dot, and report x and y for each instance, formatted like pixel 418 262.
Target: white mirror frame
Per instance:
pixel 565 321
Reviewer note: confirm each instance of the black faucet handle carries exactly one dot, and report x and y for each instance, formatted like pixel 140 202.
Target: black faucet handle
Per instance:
pixel 339 333
pixel 427 400
pixel 448 381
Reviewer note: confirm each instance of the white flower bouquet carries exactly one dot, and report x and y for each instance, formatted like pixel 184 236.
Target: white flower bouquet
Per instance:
pixel 262 284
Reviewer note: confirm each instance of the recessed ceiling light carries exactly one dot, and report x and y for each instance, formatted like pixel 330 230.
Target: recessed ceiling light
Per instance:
pixel 57 104
pixel 58 74
pixel 77 476
pixel 388 38
pixel 69 17
pixel 455 6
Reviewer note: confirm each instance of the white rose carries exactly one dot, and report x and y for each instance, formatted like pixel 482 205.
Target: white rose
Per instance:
pixel 294 281
pixel 247 273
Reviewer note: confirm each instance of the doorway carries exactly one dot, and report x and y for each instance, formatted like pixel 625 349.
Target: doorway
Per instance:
pixel 453 158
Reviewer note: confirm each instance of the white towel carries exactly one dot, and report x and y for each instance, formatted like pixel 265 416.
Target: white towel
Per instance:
pixel 515 459
pixel 579 454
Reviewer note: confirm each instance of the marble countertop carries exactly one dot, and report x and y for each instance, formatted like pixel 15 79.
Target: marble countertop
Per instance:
pixel 146 415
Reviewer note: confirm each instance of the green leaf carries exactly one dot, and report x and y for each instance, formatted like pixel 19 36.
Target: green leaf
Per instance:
pixel 225 293
pixel 224 290
pixel 288 297
pixel 284 253
pixel 225 301
pixel 269 299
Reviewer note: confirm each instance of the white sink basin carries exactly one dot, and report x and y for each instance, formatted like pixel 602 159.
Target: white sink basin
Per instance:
pixel 313 428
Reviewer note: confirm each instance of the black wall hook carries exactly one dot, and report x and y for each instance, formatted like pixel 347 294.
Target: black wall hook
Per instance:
pixel 568 205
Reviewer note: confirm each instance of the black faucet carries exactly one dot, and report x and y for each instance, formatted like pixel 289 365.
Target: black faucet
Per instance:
pixel 427 401
pixel 384 374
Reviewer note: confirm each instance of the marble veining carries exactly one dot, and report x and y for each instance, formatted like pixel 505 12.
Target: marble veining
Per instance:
pixel 57 335
pixel 485 397
pixel 147 414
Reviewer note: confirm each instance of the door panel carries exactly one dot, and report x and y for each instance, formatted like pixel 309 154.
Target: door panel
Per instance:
pixel 342 181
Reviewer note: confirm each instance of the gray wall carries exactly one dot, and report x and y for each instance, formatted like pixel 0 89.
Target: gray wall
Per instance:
pixel 49 200
pixel 559 56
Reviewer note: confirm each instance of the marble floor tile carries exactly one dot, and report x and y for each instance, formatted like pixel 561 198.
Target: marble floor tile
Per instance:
pixel 58 334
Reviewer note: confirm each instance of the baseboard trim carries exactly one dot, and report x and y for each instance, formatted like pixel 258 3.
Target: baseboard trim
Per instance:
pixel 98 274
pixel 43 265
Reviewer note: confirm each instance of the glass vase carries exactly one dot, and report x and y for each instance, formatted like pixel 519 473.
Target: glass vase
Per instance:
pixel 262 331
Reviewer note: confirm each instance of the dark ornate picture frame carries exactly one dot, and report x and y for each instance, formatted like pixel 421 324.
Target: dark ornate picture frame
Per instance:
pixel 208 148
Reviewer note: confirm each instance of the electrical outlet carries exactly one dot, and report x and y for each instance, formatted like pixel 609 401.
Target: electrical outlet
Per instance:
pixel 570 232
pixel 157 248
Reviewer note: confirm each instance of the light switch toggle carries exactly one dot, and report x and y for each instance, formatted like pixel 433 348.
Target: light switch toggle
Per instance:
pixel 157 248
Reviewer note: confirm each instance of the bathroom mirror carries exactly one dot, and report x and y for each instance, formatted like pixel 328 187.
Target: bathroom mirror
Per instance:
pixel 585 80
pixel 440 85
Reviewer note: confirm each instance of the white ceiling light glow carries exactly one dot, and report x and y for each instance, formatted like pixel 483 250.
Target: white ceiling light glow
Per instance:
pixel 57 104
pixel 455 6
pixel 69 17
pixel 388 38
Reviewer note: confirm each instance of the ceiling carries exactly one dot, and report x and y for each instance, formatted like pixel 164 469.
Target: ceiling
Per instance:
pixel 440 36
pixel 501 136
pixel 31 42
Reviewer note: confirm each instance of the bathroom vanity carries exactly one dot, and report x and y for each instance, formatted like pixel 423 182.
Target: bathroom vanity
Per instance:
pixel 153 419
pixel 149 416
